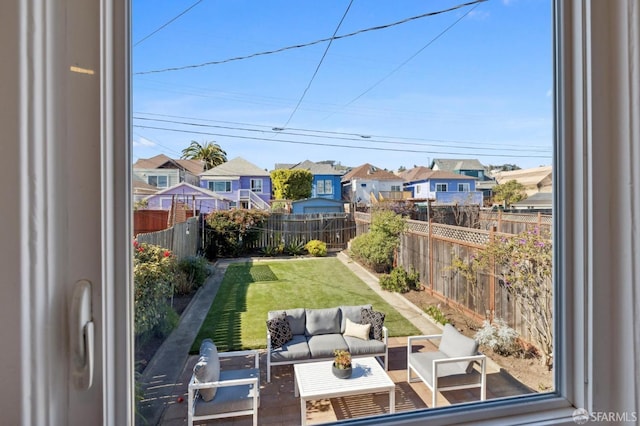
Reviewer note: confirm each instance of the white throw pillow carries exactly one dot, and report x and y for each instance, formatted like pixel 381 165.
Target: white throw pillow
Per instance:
pixel 361 331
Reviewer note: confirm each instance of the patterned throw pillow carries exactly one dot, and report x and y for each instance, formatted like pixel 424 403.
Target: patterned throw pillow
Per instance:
pixel 280 330
pixel 376 319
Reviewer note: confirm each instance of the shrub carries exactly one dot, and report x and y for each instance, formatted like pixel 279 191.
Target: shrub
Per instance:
pixel 316 248
pixel 400 281
pixel 501 338
pixel 295 248
pixel 438 316
pixel 376 248
pixel 195 269
pixel 269 251
pixel 169 319
pixel 153 274
pixel 230 232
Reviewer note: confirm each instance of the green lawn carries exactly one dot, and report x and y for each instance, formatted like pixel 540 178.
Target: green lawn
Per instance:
pixel 237 318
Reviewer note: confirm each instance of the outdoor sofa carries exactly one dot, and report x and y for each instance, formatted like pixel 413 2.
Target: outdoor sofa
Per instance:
pixel 306 335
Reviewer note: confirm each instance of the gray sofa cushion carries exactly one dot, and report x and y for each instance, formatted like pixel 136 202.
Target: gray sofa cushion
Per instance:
pixel 323 345
pixel 364 347
pixel 294 350
pixel 322 321
pixel 354 313
pixel 455 344
pixel 296 318
pixel 229 398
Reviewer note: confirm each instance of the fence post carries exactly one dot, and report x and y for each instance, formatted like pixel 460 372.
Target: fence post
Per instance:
pixel 430 247
pixel 492 280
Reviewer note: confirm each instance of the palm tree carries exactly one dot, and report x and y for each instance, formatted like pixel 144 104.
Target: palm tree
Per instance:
pixel 211 153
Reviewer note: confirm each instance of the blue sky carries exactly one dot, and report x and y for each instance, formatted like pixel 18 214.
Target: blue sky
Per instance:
pixel 474 82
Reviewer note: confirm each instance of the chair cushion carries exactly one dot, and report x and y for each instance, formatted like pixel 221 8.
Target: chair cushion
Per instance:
pixel 376 319
pixel 230 399
pixel 294 350
pixel 364 347
pixel 323 345
pixel 361 331
pixel 296 318
pixel 422 363
pixel 322 321
pixel 207 369
pixel 354 313
pixel 280 330
pixel 455 344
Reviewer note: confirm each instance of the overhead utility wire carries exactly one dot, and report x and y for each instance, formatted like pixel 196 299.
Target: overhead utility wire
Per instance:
pixel 329 132
pixel 319 64
pixel 166 24
pixel 358 138
pixel 406 61
pixel 335 145
pixel 282 49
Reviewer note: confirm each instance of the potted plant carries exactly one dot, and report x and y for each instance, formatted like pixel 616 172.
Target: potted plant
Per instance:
pixel 341 364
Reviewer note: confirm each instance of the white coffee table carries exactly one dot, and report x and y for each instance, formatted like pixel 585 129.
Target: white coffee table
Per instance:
pixel 314 380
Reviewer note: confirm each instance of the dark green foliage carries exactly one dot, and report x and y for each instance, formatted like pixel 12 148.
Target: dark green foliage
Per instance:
pixel 295 248
pixel 316 248
pixel 376 248
pixel 195 270
pixel 291 184
pixel 400 281
pixel 230 232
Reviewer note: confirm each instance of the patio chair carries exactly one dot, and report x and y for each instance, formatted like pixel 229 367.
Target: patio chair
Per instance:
pixel 451 367
pixel 216 393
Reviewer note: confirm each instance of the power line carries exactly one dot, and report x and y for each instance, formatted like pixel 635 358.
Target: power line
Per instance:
pixel 167 23
pixel 319 64
pixel 358 138
pixel 338 145
pixel 298 46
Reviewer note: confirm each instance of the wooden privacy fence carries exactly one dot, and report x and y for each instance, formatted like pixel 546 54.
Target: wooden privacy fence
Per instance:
pixel 182 238
pixel 334 229
pixel 514 223
pixel 431 248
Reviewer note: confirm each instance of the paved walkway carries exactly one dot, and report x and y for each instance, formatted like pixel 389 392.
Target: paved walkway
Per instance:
pixel 166 375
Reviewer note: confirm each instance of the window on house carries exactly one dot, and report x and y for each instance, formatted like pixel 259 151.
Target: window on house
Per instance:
pixel 463 187
pixel 256 185
pixel 159 181
pixel 395 188
pixel 324 187
pixel 441 187
pixel 221 186
pixel 363 185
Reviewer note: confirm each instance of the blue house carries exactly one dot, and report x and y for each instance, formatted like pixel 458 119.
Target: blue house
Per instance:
pixel 441 187
pixel 244 183
pixel 326 178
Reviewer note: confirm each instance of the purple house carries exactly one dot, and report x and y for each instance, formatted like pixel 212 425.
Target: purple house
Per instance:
pixel 244 183
pixel 189 197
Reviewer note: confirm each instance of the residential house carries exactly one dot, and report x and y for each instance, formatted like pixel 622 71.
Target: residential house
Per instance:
pixel 326 178
pixel 140 188
pixel 441 187
pixel 245 184
pixel 468 167
pixel 367 184
pixel 534 180
pixel 189 197
pixel 538 202
pixel 164 172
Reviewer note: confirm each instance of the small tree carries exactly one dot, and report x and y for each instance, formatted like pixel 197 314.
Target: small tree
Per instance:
pixel 377 247
pixel 523 263
pixel 509 192
pixel 291 184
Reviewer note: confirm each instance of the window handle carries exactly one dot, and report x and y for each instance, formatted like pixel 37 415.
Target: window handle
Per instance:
pixel 81 335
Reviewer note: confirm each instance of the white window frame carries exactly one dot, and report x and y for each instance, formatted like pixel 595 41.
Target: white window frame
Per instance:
pixel 158 177
pixel 321 187
pixel 465 187
pixel 396 188
pixel 254 184
pixel 440 186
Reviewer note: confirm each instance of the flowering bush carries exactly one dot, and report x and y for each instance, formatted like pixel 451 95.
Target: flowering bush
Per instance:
pixel 523 264
pixel 230 232
pixel 501 338
pixel 153 271
pixel 316 248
